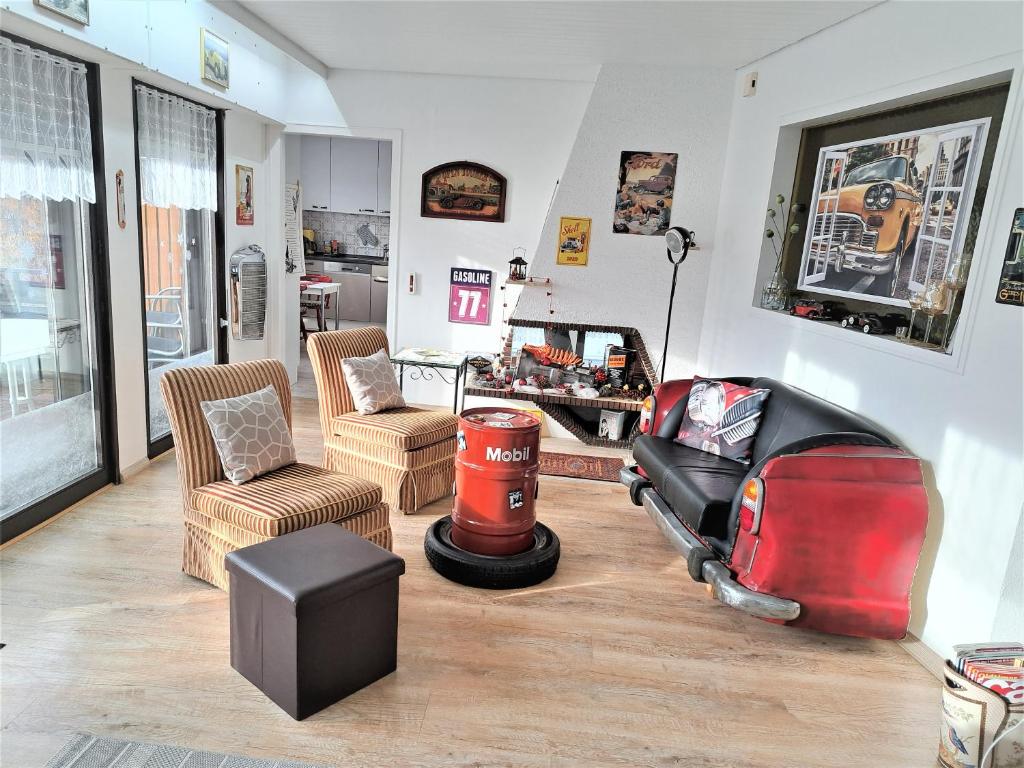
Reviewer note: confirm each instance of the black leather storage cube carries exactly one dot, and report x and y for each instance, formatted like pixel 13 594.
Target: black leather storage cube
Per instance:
pixel 314 616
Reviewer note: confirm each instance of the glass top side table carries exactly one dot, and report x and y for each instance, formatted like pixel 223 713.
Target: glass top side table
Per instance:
pixel 424 364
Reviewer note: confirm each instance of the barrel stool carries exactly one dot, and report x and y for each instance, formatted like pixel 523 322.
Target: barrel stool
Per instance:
pixel 314 616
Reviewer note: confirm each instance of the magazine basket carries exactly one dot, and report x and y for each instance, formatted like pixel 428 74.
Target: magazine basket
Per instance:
pixel 973 717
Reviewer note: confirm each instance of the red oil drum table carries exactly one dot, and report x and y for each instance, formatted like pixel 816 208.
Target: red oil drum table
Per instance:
pixel 492 538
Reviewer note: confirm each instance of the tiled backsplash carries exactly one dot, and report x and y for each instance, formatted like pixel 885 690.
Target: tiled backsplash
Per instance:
pixel 342 227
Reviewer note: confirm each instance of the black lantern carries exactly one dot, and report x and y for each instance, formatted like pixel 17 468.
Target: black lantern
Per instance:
pixel 517 267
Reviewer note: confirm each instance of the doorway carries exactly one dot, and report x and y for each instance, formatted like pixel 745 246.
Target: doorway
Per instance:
pixel 180 196
pixel 57 413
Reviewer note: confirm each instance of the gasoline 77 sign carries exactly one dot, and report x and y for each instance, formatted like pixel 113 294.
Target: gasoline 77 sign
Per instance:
pixel 469 298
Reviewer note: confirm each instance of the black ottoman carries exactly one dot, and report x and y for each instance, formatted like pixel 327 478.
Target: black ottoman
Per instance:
pixel 314 616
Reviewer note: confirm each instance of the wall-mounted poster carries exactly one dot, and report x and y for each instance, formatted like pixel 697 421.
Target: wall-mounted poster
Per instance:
pixel 463 190
pixel 1011 280
pixel 573 241
pixel 643 205
pixel 213 58
pixel 76 10
pixel 243 196
pixel 889 214
pixel 469 298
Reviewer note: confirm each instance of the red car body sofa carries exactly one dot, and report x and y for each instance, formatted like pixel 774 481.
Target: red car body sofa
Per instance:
pixel 823 529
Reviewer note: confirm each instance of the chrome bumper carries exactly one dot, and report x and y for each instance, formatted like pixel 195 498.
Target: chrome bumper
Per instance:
pixel 862 260
pixel 725 589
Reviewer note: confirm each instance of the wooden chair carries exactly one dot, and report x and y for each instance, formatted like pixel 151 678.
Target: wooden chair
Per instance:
pixel 221 517
pixel 409 451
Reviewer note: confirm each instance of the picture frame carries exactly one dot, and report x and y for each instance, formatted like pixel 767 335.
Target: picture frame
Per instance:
pixel 76 10
pixel 214 58
pixel 643 198
pixel 1011 277
pixel 889 214
pixel 573 248
pixel 463 190
pixel 244 182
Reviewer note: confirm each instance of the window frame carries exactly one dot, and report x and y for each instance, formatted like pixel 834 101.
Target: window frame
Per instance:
pixel 37 513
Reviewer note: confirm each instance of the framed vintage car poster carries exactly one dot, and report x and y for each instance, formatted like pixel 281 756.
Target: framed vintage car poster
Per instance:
pixel 573 241
pixel 463 190
pixel 469 296
pixel 889 214
pixel 643 201
pixel 1011 279
pixel 243 196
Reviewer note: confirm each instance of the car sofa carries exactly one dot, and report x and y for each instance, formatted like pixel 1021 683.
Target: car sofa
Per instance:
pixel 823 529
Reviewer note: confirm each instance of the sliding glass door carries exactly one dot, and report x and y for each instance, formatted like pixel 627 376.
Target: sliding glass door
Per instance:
pixel 177 144
pixel 56 417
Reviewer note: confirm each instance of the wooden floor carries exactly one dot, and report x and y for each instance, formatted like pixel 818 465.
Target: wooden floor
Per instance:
pixel 618 660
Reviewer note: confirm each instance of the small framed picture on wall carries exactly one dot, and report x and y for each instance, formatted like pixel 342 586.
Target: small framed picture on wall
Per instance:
pixel 243 196
pixel 213 58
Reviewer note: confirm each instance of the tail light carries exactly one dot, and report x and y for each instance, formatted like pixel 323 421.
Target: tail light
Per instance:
pixel 751 506
pixel 647 415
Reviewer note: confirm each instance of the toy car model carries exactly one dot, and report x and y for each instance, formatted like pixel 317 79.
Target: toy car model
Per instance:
pixel 870 322
pixel 873 222
pixel 463 201
pixel 656 185
pixel 815 310
pixel 822 530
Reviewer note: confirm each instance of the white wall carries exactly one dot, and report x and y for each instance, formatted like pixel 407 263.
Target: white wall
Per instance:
pixel 626 280
pixel 962 415
pixel 522 128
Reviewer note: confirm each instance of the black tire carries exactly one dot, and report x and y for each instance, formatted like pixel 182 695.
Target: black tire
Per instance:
pixel 897 263
pixel 491 572
pixel 478 205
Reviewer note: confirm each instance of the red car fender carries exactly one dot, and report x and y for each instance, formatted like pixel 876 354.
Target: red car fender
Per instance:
pixel 665 396
pixel 841 531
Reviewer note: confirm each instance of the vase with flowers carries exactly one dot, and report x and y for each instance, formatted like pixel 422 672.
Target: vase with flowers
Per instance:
pixel 779 230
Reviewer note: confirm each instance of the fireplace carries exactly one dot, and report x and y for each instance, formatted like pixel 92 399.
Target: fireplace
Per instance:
pixel 591 379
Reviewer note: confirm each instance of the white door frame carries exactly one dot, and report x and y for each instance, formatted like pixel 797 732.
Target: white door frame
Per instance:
pixel 394 135
pixel 824 239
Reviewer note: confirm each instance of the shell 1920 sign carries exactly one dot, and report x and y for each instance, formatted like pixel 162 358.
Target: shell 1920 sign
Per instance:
pixel 463 190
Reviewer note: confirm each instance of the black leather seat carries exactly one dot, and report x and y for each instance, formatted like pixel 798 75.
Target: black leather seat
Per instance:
pixel 699 486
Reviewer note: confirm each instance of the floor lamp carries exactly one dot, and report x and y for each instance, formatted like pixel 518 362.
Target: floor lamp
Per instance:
pixel 677 246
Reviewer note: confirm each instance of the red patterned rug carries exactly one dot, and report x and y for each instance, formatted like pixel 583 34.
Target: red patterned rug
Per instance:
pixel 583 467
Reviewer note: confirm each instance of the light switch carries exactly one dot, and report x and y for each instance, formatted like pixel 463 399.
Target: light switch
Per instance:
pixel 750 84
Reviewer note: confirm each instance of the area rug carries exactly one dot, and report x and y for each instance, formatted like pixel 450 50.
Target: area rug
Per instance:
pixel 583 467
pixel 87 751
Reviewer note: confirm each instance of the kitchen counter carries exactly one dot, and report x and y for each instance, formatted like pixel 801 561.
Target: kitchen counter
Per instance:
pixel 348 258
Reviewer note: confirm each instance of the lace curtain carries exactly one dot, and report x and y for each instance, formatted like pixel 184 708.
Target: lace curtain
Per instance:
pixel 45 136
pixel 177 151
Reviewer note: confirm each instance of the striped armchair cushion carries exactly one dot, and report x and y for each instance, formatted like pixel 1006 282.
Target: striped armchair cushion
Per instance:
pixel 405 428
pixel 287 499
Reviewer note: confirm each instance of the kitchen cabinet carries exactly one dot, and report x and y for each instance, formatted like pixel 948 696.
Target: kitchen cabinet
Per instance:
pixel 379 294
pixel 384 178
pixel 315 173
pixel 354 294
pixel 353 171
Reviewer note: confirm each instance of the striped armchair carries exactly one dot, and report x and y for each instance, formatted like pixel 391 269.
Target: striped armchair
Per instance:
pixel 409 451
pixel 221 517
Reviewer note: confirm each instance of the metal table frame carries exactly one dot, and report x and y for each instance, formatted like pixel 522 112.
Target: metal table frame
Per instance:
pixel 424 370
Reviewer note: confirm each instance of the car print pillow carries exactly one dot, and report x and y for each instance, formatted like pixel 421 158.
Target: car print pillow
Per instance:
pixel 722 418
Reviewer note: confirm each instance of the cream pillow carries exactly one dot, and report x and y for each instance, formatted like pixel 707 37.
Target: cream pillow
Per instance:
pixel 251 434
pixel 372 382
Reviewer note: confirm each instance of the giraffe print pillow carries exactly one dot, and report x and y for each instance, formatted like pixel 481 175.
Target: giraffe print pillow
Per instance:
pixel 372 382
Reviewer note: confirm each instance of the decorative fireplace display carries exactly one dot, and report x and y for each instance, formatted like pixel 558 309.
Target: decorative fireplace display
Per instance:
pixel 580 375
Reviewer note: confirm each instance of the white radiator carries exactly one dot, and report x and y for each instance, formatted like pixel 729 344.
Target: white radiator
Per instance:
pixel 248 293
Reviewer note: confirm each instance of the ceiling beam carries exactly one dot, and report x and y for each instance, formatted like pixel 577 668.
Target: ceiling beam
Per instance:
pixel 243 15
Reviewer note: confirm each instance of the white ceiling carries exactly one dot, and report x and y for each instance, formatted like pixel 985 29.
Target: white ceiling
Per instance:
pixel 555 40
